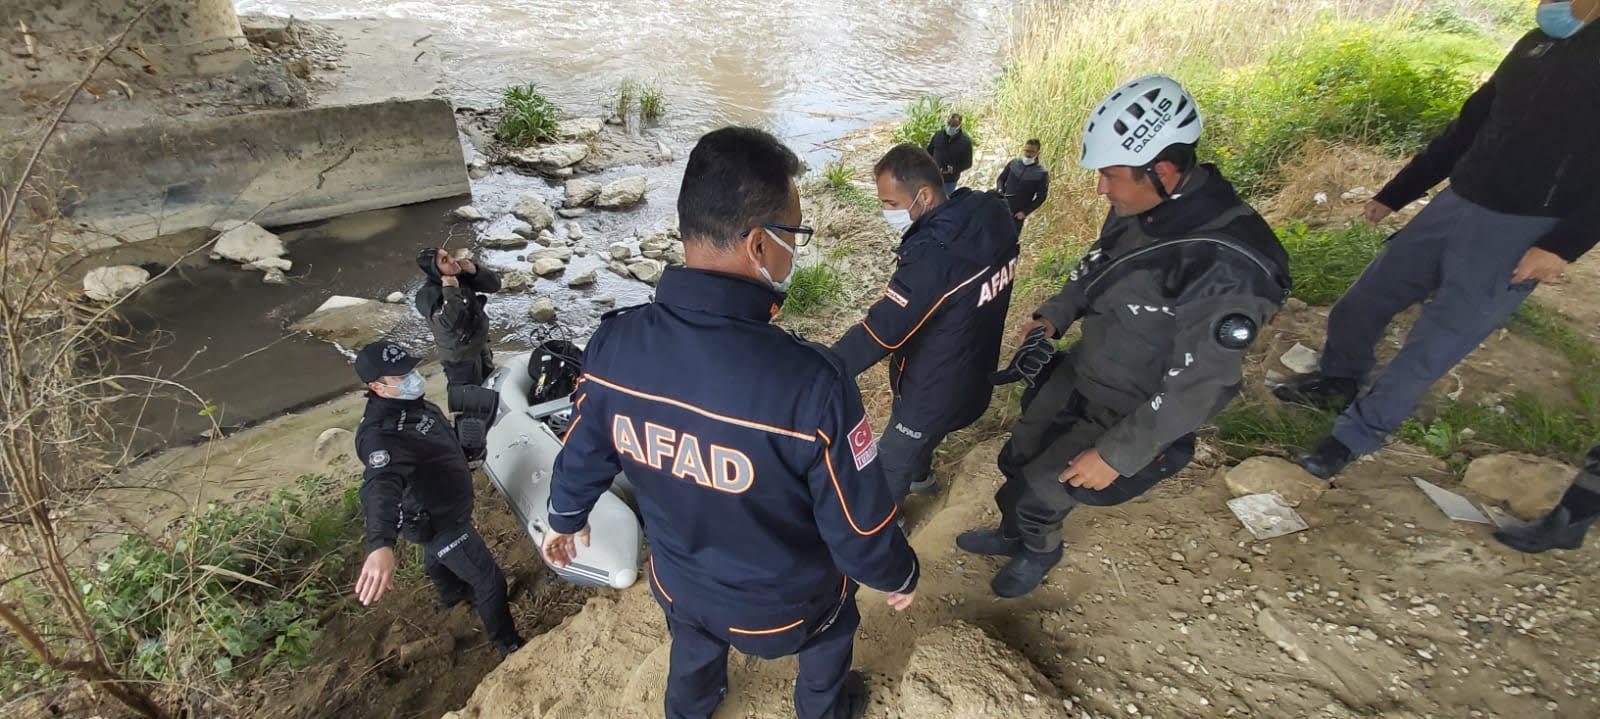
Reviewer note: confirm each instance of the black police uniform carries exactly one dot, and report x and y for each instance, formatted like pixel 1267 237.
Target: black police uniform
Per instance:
pixel 940 321
pixel 756 475
pixel 1170 302
pixel 417 484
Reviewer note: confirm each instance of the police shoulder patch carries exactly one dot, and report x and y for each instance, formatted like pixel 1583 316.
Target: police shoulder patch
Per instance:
pixel 1235 331
pixel 378 459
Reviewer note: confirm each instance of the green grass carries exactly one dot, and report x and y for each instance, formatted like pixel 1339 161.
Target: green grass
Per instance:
pixel 652 101
pixel 527 117
pixel 1373 83
pixel 1249 428
pixel 814 287
pixel 1325 262
pixel 627 97
pixel 838 175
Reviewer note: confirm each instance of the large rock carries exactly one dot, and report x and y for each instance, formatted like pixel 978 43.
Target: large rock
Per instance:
pixel 1260 475
pixel 468 213
pixel 626 192
pixel 547 266
pixel 574 231
pixel 543 310
pixel 564 254
pixel 335 450
pixel 109 284
pixel 960 671
pixel 578 128
pixel 620 251
pixel 584 279
pixel 352 322
pixel 533 210
pixel 270 264
pixel 503 242
pixel 515 281
pixel 581 192
pixel 549 158
pixel 1530 486
pixel 618 269
pixel 648 271
pixel 246 242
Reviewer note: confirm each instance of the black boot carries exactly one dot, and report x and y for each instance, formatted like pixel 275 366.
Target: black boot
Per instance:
pixel 1556 530
pixel 1023 573
pixel 1320 392
pixel 992 542
pixel 856 694
pixel 1327 459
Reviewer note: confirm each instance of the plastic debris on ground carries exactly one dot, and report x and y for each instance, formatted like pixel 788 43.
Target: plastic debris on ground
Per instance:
pixel 1267 515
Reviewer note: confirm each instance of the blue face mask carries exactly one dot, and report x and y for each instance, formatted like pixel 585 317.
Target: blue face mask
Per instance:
pixel 1557 21
pixel 410 387
pixel 951 130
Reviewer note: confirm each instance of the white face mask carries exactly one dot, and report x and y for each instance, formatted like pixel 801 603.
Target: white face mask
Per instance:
pixel 787 280
pixel 901 220
pixel 1029 160
pixel 410 387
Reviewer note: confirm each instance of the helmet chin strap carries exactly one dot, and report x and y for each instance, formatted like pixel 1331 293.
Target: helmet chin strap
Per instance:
pixel 1161 187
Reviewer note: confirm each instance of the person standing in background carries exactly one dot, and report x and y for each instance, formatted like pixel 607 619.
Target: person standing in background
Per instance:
pixel 952 152
pixel 1025 183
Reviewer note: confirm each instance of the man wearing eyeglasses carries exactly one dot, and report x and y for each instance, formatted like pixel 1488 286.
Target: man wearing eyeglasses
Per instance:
pixel 748 448
pixel 942 315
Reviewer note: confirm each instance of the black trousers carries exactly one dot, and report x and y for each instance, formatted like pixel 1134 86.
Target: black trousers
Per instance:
pixel 821 636
pixel 461 568
pixel 471 372
pixel 1057 425
pixel 907 455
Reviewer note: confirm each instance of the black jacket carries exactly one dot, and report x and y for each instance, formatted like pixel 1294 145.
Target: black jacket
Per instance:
pixel 748 449
pixel 951 151
pixel 1526 142
pixel 942 316
pixel 1160 296
pixel 455 314
pixel 1025 187
pixel 413 465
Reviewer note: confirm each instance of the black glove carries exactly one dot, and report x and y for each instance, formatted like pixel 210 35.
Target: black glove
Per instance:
pixel 1030 359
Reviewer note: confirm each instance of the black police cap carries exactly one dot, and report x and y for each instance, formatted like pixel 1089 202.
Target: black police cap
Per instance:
pixel 384 359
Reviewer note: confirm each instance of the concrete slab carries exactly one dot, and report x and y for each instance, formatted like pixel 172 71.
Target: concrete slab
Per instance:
pixel 376 131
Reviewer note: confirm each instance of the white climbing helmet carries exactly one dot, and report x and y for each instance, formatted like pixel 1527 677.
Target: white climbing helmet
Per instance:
pixel 1139 120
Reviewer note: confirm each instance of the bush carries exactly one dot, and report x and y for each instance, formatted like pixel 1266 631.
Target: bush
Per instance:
pixel 924 116
pixel 652 101
pixel 527 117
pixel 233 592
pixel 813 287
pixel 1364 83
pixel 1325 262
pixel 838 175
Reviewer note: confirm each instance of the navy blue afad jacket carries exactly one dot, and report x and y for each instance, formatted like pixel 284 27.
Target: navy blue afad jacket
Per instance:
pixel 748 449
pixel 943 314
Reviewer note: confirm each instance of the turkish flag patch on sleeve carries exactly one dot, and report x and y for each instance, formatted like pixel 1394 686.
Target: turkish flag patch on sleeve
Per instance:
pixel 862 445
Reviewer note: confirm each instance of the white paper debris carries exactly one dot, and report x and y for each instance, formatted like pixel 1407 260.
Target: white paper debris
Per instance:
pixel 1453 505
pixel 1267 515
pixel 1300 359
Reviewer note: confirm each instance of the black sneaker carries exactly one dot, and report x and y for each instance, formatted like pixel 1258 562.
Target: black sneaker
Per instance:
pixel 991 542
pixel 926 485
pixel 1023 573
pixel 856 694
pixel 1327 459
pixel 1555 531
pixel 1320 392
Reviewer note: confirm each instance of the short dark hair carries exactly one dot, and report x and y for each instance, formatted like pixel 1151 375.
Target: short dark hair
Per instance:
pixel 737 178
pixel 1182 155
pixel 957 116
pixel 911 166
pixel 1033 141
